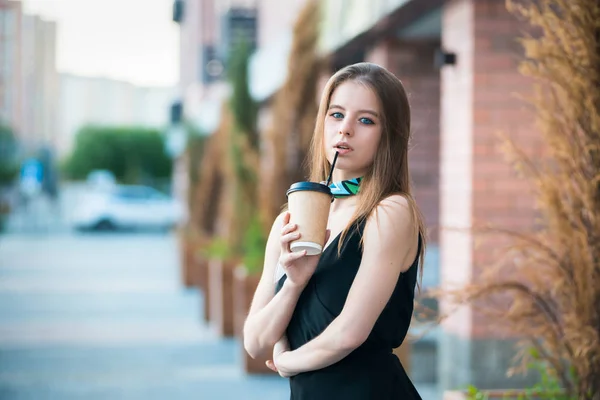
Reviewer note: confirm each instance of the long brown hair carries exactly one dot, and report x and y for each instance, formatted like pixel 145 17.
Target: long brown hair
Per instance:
pixel 389 172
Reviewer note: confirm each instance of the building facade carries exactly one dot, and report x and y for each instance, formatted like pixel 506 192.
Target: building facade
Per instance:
pixel 28 77
pixel 208 30
pixel 91 100
pixel 39 107
pixel 10 63
pixel 458 60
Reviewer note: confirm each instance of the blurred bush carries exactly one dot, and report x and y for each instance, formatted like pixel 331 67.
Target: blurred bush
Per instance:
pixel 243 107
pixel 223 199
pixel 216 249
pixel 254 245
pixel 248 238
pixel 9 169
pixel 132 154
pixel 194 152
pixel 9 162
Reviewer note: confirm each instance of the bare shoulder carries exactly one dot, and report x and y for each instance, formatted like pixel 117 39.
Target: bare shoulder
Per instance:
pixel 394 213
pixel 392 230
pixel 395 201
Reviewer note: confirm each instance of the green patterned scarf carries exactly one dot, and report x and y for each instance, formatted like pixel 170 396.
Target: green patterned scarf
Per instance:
pixel 345 188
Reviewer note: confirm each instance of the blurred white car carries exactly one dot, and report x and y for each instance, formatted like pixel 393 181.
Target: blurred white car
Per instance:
pixel 126 207
pixel 100 179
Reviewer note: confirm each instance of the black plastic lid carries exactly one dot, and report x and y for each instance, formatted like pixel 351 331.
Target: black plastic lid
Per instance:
pixel 311 186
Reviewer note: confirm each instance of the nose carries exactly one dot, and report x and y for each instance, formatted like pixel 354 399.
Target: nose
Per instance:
pixel 346 128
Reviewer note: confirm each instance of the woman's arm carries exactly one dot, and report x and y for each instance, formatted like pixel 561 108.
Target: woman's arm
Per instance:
pixel 269 314
pixel 390 245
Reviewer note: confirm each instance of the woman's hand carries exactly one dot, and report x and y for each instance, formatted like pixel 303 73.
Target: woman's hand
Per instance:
pixel 280 350
pixel 297 265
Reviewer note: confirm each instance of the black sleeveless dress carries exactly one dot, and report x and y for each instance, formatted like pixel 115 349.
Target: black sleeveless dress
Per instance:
pixel 372 371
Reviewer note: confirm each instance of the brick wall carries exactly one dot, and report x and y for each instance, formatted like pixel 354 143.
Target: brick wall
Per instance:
pixel 456 167
pixel 478 185
pixel 412 63
pixel 480 102
pixel 500 196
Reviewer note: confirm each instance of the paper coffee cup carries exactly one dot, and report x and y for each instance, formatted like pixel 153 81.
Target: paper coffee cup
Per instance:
pixel 308 204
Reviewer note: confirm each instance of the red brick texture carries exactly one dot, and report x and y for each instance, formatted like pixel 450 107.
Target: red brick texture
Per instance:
pixel 480 101
pixel 412 63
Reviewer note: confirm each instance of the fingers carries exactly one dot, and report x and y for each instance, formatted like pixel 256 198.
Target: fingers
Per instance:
pixel 289 258
pixel 286 218
pixel 286 239
pixel 271 365
pixel 287 228
pixel 288 233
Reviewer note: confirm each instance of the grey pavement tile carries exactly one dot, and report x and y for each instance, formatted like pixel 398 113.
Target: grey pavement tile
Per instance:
pixel 117 306
pixel 247 389
pixel 57 361
pixel 103 317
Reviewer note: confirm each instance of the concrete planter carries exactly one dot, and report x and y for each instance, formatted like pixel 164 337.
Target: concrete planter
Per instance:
pixel 185 261
pixel 202 264
pixel 190 262
pixel 220 295
pixel 200 271
pixel 244 286
pixel 186 245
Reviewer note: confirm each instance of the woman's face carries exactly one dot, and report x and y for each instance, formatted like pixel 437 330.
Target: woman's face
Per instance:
pixel 353 128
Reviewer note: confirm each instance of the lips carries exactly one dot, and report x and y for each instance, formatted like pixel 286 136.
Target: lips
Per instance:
pixel 342 147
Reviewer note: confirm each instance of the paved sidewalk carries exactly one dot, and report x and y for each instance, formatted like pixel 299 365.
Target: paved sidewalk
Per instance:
pixel 105 317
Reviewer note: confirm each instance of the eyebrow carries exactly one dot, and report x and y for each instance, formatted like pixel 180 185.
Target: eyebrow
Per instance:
pixel 359 111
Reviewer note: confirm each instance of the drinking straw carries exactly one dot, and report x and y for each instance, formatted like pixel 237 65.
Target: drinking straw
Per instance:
pixel 332 167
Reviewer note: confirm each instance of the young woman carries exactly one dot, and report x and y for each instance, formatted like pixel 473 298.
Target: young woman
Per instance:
pixel 334 319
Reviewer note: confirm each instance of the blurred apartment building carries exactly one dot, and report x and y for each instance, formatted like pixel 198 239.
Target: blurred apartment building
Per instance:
pixel 458 60
pixel 95 100
pixel 207 32
pixel 46 108
pixel 28 76
pixel 10 66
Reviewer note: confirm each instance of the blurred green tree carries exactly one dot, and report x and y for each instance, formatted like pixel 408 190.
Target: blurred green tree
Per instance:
pixel 9 168
pixel 250 239
pixel 243 107
pixel 132 154
pixel 9 162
